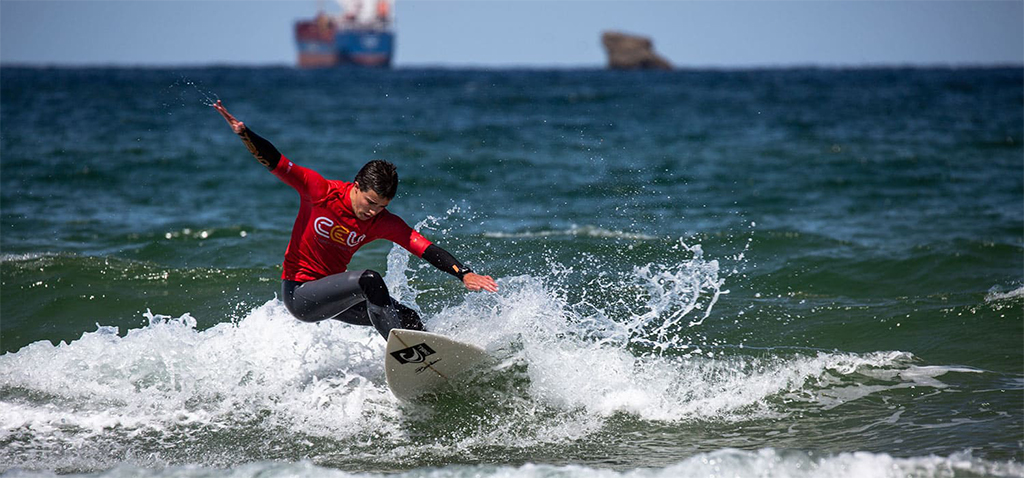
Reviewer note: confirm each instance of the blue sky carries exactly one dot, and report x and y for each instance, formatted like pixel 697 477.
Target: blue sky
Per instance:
pixel 538 33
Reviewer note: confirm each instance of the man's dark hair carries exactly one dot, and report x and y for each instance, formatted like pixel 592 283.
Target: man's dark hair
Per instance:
pixel 380 176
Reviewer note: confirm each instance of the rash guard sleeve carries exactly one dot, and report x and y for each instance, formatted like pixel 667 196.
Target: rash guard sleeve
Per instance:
pixel 394 229
pixel 263 150
pixel 309 183
pixel 443 260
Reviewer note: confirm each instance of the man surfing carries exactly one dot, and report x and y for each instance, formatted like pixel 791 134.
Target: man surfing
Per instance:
pixel 335 219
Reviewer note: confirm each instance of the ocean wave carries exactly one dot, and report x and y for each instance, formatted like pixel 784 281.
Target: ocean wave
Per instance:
pixel 766 462
pixel 567 368
pixel 30 256
pixel 269 376
pixel 995 296
pixel 574 231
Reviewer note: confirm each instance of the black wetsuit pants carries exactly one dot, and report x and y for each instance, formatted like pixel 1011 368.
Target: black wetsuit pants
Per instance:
pixel 355 297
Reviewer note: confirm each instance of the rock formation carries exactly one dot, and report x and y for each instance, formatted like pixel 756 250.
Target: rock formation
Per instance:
pixel 631 52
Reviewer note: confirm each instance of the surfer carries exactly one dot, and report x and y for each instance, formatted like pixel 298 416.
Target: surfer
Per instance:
pixel 335 219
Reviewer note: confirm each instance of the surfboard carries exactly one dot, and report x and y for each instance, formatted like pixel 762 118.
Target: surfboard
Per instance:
pixel 416 362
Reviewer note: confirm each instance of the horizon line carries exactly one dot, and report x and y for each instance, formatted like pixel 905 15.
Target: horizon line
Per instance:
pixel 549 67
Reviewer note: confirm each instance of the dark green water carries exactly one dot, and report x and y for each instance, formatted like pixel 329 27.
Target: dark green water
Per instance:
pixel 787 272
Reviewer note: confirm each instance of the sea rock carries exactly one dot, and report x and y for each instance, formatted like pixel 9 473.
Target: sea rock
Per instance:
pixel 632 52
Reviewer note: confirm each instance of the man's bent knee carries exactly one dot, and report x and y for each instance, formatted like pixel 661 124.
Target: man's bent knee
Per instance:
pixel 374 288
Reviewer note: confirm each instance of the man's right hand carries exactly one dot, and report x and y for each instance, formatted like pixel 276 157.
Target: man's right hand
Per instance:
pixel 236 126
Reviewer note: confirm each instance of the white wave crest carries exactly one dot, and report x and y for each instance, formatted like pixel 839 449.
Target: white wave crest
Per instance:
pixel 765 463
pixel 569 363
pixel 324 378
pixel 576 231
pixel 995 296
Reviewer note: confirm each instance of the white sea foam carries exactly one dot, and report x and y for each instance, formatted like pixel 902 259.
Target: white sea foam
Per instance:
pixel 765 463
pixel 576 231
pixel 6 257
pixel 995 296
pixel 568 369
pixel 323 378
pixel 573 365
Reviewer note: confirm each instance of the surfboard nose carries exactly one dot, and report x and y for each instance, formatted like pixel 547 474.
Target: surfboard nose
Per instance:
pixel 416 362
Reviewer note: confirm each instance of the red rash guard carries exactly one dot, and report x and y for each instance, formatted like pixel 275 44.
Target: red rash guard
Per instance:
pixel 326 231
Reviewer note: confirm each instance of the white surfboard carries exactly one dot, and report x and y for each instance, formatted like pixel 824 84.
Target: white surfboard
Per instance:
pixel 416 362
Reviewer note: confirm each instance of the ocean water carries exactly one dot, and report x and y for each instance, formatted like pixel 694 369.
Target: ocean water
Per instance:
pixel 776 273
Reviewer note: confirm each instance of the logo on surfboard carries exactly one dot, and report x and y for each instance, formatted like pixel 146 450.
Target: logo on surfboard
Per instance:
pixel 415 354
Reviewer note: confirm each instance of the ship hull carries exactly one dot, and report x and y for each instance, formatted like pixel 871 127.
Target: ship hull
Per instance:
pixel 322 44
pixel 365 48
pixel 317 54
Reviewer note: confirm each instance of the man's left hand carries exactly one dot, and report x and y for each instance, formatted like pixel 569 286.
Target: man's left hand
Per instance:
pixel 477 282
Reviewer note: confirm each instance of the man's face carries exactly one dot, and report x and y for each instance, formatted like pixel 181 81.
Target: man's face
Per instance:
pixel 367 204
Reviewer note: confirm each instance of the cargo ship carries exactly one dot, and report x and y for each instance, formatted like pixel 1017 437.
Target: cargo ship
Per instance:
pixel 361 35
